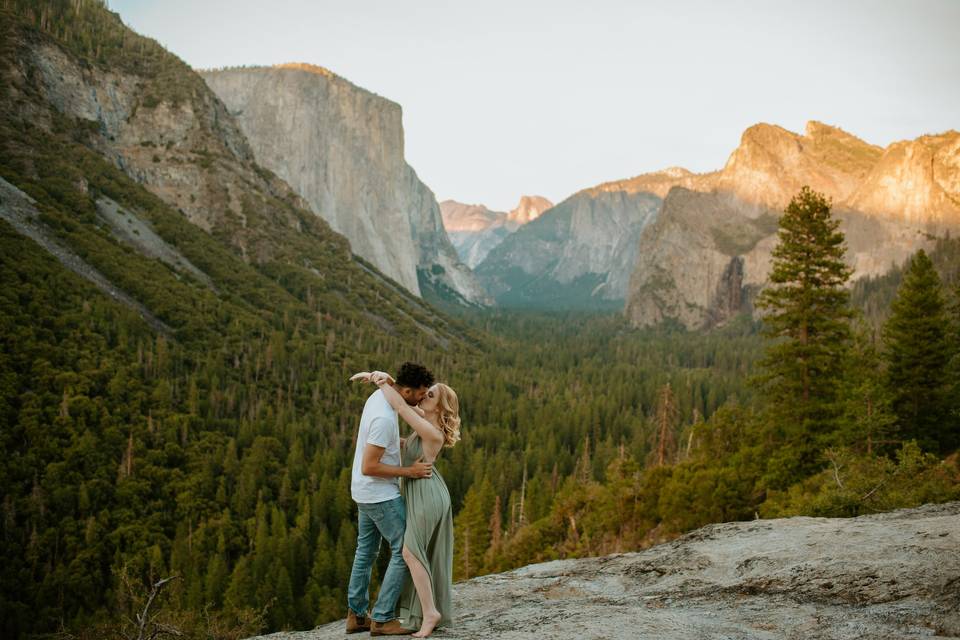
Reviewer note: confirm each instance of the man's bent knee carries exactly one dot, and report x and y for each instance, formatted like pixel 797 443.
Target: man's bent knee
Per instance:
pixel 367 557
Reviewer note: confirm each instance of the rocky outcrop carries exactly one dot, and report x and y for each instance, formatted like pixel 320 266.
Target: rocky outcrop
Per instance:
pixel 581 252
pixel 475 230
pixel 341 147
pixel 890 203
pixel 890 575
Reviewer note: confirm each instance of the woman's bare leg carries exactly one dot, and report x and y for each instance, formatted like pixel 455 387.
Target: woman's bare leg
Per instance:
pixel 421 582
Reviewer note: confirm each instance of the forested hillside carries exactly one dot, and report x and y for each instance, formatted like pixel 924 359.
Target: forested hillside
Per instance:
pixel 211 440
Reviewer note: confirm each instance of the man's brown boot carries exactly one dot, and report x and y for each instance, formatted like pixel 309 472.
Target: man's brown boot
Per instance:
pixel 388 628
pixel 355 623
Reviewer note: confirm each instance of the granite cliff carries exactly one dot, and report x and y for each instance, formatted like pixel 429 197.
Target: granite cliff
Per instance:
pixel 709 250
pixel 475 230
pixel 889 575
pixel 342 148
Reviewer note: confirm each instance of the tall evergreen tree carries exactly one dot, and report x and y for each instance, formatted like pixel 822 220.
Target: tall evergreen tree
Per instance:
pixel 807 315
pixel 917 351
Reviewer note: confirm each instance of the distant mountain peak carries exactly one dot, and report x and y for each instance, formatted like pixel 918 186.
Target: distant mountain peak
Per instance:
pixel 475 230
pixel 763 132
pixel 460 216
pixel 528 209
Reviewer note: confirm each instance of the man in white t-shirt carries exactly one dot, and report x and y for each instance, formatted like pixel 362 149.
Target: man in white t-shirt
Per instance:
pixel 375 488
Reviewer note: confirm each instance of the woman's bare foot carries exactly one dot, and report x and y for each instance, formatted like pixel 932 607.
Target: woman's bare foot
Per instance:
pixel 430 621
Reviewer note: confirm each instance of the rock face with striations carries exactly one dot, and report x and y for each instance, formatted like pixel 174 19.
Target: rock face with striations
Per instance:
pixel 475 230
pixel 709 251
pixel 341 148
pixel 890 575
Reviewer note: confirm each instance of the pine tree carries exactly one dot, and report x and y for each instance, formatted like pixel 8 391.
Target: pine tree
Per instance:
pixel 917 351
pixel 807 315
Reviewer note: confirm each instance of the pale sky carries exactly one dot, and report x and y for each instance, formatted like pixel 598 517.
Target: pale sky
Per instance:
pixel 505 98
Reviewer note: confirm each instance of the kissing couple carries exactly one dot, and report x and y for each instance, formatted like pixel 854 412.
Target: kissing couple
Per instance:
pixel 415 516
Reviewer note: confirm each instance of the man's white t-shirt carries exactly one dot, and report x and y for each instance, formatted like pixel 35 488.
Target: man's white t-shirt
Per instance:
pixel 378 426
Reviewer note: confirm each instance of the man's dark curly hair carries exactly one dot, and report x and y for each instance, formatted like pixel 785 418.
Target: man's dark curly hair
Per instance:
pixel 414 376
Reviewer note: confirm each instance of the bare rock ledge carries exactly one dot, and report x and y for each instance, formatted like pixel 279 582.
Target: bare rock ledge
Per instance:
pixel 890 575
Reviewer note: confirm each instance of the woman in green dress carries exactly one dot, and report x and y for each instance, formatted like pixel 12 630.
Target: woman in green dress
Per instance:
pixel 428 540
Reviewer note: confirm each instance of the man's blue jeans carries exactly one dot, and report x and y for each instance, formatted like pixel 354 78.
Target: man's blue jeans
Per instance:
pixel 387 521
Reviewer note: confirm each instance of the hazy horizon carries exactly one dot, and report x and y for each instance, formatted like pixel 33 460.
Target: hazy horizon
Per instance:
pixel 550 98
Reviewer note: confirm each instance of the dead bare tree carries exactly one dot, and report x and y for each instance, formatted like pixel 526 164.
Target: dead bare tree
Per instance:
pixel 145 623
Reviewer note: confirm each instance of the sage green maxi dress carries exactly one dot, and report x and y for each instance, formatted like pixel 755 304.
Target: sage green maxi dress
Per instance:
pixel 429 535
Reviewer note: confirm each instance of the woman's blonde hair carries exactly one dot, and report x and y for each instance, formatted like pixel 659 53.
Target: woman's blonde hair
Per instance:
pixel 448 406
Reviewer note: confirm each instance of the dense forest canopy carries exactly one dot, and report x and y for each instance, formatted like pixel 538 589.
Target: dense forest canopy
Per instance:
pixel 217 448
